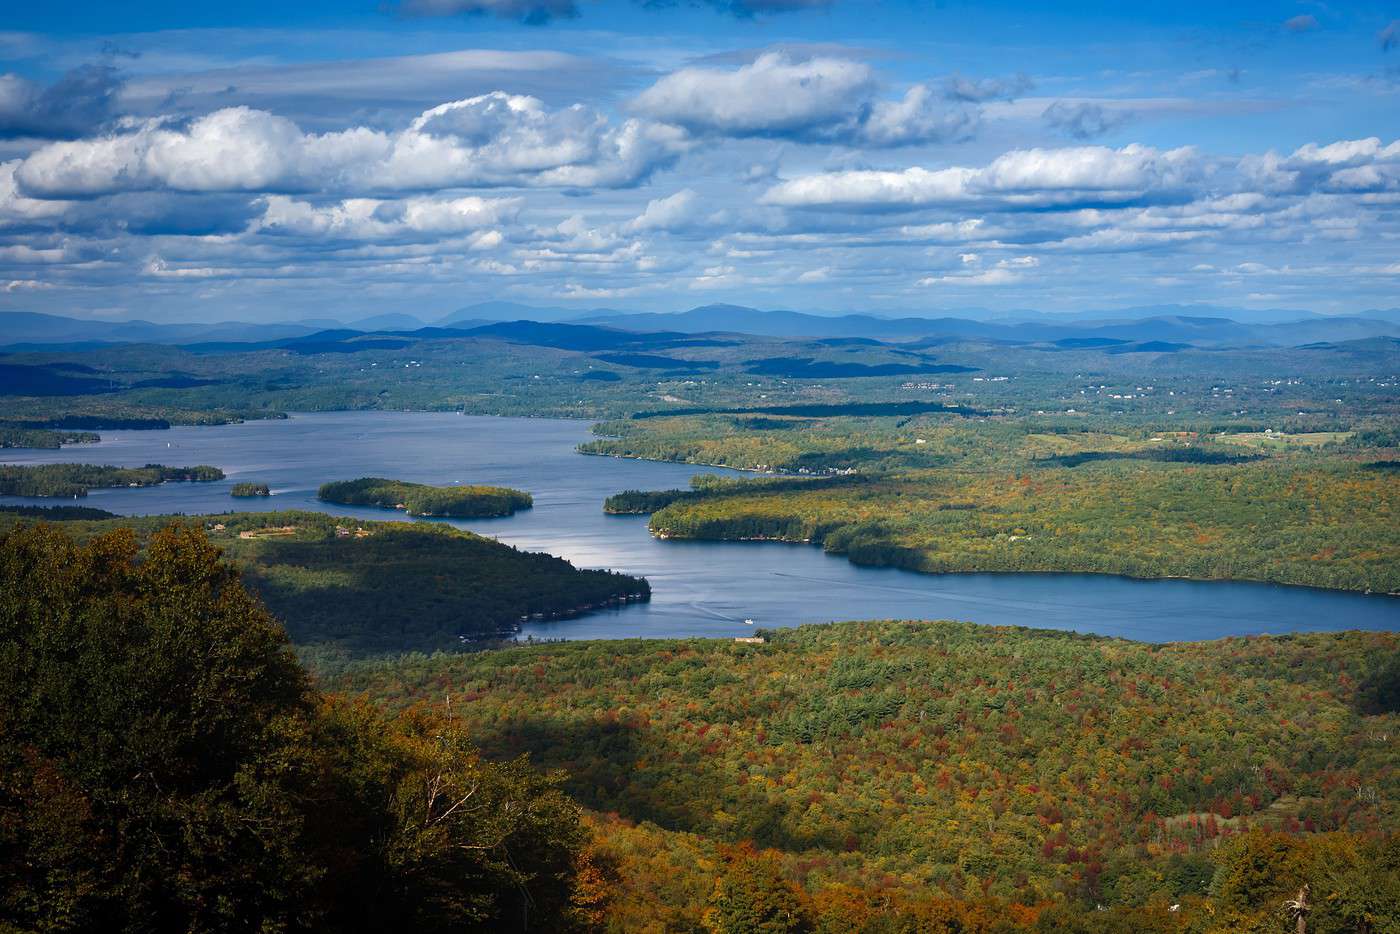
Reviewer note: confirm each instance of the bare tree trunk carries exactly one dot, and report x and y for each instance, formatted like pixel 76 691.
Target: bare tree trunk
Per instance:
pixel 1299 908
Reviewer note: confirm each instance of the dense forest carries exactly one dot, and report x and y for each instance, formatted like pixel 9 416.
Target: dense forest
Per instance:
pixel 74 480
pixel 165 765
pixel 120 413
pixel 946 493
pixel 883 769
pixel 870 444
pixel 642 502
pixel 881 777
pixel 348 588
pixel 248 489
pixel 53 513
pixel 419 499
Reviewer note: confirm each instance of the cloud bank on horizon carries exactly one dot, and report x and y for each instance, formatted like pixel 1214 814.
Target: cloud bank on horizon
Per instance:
pixel 812 154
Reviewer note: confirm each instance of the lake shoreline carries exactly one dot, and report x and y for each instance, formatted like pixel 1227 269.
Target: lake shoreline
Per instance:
pixel 701 589
pixel 665 535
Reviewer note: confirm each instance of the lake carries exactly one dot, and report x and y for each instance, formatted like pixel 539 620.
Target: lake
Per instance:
pixel 699 588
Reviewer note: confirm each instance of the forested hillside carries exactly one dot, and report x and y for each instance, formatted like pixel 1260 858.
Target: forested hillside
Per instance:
pixel 348 588
pixel 165 765
pixel 893 769
pixel 1321 527
pixel 879 777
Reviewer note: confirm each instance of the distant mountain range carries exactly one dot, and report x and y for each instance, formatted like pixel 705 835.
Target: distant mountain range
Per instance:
pixel 512 311
pixel 1160 323
pixel 1168 323
pixel 20 327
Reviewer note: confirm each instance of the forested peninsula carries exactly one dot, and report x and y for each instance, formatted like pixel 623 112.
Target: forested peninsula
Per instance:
pixel 1207 524
pixel 44 438
pixel 940 494
pixel 348 588
pixel 74 480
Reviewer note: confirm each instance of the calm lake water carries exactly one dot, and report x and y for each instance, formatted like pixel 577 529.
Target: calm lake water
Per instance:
pixel 699 588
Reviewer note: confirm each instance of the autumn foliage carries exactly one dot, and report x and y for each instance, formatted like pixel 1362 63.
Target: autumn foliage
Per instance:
pixel 166 766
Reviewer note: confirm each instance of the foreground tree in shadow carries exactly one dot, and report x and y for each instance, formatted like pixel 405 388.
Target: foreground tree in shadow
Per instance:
pixel 165 765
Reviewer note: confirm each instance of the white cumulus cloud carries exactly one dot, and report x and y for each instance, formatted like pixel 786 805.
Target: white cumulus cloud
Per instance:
pixel 673 212
pixel 820 99
pixel 491 140
pixel 374 219
pixel 1020 178
pixel 772 96
pixel 1355 166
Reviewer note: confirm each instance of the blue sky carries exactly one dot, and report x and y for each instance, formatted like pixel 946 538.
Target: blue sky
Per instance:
pixel 284 160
